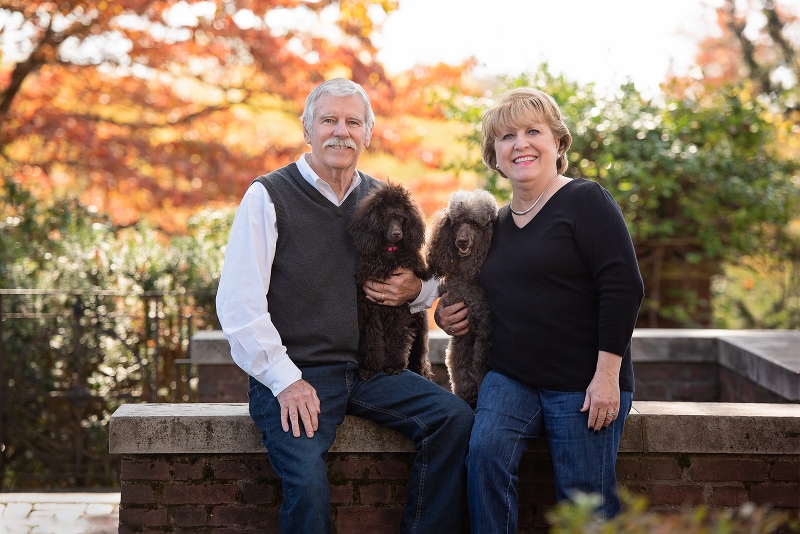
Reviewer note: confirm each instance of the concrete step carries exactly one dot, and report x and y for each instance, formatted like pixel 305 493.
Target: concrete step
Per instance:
pixel 59 513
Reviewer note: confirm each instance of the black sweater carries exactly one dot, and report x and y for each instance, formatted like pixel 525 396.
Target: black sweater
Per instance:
pixel 562 288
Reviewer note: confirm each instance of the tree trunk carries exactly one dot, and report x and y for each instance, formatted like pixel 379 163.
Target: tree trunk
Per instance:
pixel 677 291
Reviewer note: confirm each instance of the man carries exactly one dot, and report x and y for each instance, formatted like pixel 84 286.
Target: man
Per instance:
pixel 287 305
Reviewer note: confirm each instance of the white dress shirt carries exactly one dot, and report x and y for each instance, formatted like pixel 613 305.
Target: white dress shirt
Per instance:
pixel 242 305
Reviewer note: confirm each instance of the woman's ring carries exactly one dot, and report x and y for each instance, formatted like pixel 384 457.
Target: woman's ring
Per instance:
pixel 450 329
pixel 383 297
pixel 611 414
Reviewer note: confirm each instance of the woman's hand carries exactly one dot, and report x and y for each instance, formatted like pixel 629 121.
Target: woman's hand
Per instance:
pixel 602 395
pixel 453 318
pixel 402 287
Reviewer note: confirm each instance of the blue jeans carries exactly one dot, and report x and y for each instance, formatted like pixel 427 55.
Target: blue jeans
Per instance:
pixel 509 416
pixel 437 422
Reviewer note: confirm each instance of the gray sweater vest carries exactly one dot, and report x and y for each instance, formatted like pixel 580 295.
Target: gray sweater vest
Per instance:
pixel 312 293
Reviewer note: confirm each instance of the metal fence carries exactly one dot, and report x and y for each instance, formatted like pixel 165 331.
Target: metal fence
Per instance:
pixel 68 359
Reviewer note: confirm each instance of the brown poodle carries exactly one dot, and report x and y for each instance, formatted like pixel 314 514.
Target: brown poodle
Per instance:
pixel 458 245
pixel 388 231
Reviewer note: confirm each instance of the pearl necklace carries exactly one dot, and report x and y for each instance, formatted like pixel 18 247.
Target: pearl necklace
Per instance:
pixel 535 201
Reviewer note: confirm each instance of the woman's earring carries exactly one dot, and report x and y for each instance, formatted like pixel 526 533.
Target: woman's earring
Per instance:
pixel 497 165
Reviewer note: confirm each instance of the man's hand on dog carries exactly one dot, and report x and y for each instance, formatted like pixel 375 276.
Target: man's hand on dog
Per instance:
pixel 402 287
pixel 299 402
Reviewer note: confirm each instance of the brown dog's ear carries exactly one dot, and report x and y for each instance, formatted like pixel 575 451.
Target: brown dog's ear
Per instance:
pixel 414 228
pixel 441 246
pixel 365 227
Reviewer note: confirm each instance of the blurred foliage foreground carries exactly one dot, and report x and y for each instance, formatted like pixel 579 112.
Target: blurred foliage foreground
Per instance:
pixel 577 516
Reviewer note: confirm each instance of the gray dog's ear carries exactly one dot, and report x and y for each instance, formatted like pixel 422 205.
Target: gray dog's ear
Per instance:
pixel 441 246
pixel 486 204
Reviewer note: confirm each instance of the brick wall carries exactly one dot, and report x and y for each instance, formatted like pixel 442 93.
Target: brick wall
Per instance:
pixel 202 467
pixel 670 365
pixel 656 381
pixel 697 382
pixel 221 383
pixel 241 492
pixel 734 387
pixel 228 383
pixel 680 381
pixel 190 468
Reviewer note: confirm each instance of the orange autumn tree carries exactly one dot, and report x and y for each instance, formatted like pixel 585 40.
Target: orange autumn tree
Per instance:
pixel 157 107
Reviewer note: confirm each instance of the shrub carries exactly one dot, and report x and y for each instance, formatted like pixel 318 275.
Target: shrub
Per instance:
pixel 578 516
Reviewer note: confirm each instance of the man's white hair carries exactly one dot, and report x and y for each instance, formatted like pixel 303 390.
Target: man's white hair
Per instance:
pixel 339 87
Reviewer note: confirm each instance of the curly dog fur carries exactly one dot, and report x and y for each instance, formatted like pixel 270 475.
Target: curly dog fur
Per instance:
pixel 388 231
pixel 459 241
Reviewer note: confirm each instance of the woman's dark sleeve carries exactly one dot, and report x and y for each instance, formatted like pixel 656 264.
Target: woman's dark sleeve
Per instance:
pixel 607 250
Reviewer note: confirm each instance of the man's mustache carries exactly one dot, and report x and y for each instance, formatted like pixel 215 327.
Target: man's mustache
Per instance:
pixel 340 142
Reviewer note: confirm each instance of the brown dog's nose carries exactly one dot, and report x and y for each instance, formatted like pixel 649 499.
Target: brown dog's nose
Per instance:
pixel 394 232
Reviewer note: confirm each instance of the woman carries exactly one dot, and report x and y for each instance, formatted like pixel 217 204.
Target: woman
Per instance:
pixel 564 289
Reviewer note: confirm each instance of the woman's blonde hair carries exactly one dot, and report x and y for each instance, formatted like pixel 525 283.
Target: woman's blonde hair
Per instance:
pixel 518 108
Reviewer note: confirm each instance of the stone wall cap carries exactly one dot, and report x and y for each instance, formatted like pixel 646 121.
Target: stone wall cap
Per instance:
pixel 772 362
pixel 706 332
pixel 719 427
pixel 209 334
pixel 210 347
pixel 718 409
pixel 223 428
pixel 781 348
pixel 226 428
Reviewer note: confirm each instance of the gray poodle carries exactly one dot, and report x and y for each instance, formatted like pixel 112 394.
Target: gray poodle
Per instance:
pixel 457 246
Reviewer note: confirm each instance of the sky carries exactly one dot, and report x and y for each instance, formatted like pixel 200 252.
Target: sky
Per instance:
pixel 600 41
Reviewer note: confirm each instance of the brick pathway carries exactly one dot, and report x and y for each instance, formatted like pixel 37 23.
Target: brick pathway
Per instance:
pixel 59 513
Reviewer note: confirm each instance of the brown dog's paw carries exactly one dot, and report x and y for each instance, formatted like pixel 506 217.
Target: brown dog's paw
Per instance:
pixel 365 374
pixel 471 399
pixel 427 372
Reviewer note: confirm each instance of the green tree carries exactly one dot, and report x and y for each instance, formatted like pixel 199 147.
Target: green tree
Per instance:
pixel 93 316
pixel 757 48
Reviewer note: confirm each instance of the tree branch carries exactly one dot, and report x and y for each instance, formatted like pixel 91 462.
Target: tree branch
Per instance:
pixel 748 48
pixel 46 50
pixel 21 71
pixel 775 30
